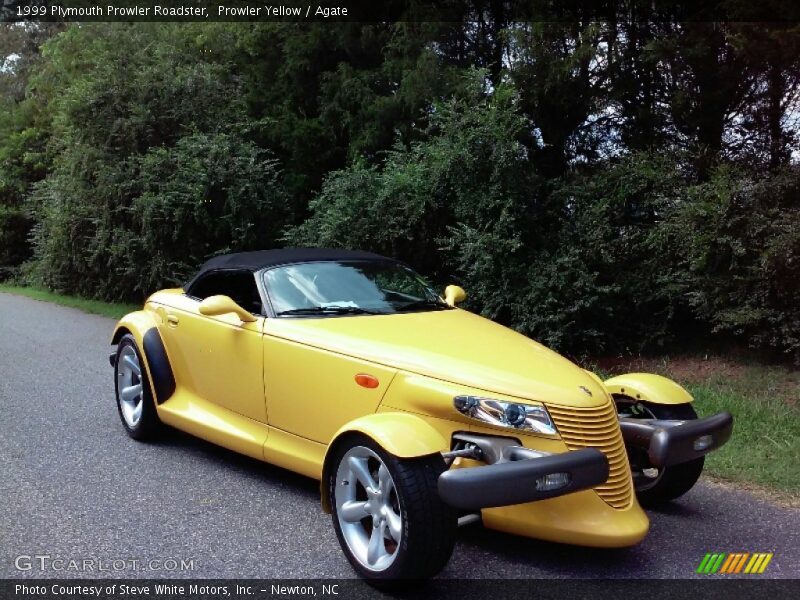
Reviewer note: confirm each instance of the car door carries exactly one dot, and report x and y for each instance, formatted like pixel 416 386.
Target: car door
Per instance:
pixel 220 357
pixel 313 392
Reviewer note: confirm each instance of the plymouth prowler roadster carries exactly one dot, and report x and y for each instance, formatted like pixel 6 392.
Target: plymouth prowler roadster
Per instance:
pixel 415 415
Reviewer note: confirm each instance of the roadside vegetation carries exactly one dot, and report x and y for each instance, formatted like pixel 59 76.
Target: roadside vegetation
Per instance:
pixel 604 187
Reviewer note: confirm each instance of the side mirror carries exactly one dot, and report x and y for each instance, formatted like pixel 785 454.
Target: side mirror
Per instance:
pixel 453 294
pixel 214 306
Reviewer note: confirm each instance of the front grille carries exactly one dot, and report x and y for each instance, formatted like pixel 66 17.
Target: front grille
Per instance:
pixel 598 427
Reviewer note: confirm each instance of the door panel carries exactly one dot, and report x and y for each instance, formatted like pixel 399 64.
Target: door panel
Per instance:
pixel 219 359
pixel 312 392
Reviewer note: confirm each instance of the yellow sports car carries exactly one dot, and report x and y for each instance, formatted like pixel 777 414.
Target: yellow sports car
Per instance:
pixel 415 415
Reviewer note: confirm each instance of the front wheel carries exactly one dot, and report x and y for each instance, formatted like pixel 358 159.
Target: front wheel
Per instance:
pixel 387 513
pixel 653 485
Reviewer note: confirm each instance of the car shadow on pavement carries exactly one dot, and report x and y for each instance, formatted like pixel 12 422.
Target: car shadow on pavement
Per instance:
pixel 235 462
pixel 519 557
pixel 675 509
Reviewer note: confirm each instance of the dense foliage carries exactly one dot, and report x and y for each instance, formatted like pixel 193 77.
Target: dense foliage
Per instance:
pixel 603 187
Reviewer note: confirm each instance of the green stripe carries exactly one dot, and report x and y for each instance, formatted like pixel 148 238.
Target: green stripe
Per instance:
pixel 711 562
pixel 718 564
pixel 702 567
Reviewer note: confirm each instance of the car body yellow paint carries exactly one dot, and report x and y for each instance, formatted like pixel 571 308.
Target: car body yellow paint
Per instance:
pixel 455 346
pixel 298 377
pixel 404 435
pixel 581 518
pixel 648 387
pixel 135 323
pixel 283 390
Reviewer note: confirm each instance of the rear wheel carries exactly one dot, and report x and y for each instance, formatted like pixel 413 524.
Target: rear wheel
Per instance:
pixel 134 398
pixel 388 517
pixel 654 485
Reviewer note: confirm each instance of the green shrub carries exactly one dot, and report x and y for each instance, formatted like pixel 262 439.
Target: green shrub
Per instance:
pixel 160 215
pixel 631 257
pixel 439 200
pixel 153 170
pixel 738 237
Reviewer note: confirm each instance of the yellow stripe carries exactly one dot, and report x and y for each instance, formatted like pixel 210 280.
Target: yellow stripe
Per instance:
pixel 757 564
pixel 741 562
pixel 751 563
pixel 767 558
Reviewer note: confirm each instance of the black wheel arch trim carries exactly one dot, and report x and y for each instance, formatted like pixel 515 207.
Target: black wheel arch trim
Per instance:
pixel 158 363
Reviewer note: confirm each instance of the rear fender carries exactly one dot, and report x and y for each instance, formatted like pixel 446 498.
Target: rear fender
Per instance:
pixel 648 387
pixel 143 326
pixel 400 434
pixel 135 323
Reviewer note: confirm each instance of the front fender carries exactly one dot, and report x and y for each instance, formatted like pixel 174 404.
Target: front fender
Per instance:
pixel 648 387
pixel 400 434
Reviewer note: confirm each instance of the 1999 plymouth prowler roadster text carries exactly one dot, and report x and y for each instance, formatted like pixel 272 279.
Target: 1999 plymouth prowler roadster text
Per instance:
pixel 347 367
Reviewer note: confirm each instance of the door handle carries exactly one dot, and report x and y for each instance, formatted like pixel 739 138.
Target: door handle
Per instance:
pixel 173 320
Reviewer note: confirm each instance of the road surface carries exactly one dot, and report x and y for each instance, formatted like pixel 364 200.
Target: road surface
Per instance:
pixel 74 487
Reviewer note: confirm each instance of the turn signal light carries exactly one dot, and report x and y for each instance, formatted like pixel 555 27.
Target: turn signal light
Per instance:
pixel 552 481
pixel 703 442
pixel 367 381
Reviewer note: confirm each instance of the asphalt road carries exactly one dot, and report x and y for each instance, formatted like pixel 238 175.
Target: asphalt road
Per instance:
pixel 74 486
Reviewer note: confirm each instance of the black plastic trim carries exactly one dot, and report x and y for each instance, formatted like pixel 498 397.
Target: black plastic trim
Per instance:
pixel 491 448
pixel 672 442
pixel 514 481
pixel 160 369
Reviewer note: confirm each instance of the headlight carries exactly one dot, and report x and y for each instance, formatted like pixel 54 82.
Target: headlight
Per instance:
pixel 526 417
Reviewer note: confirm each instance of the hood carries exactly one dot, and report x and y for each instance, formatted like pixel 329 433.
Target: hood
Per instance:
pixel 451 345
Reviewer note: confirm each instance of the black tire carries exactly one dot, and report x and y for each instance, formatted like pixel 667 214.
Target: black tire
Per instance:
pixel 671 482
pixel 148 425
pixel 428 524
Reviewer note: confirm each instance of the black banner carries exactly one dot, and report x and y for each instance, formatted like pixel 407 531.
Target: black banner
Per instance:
pixel 346 589
pixel 394 10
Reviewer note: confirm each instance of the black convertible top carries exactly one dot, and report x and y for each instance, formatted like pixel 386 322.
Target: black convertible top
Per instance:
pixel 260 259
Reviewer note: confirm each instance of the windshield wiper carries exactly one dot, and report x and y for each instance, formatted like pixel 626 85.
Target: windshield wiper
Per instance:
pixel 332 310
pixel 423 304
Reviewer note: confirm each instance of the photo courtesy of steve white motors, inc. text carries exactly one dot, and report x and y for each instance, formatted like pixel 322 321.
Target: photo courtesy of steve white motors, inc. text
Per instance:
pixel 177 11
pixel 171 589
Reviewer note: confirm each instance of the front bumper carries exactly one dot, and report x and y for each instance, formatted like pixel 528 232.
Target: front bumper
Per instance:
pixel 518 475
pixel 673 442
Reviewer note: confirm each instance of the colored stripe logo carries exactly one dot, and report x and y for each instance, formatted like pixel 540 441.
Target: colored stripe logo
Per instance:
pixel 734 562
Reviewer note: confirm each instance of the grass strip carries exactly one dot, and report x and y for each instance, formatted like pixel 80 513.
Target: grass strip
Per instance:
pixel 98 307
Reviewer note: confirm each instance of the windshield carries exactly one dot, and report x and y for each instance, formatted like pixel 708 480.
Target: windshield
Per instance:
pixel 333 288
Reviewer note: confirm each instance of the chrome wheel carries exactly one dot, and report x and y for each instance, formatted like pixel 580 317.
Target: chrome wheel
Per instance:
pixel 368 509
pixel 129 386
